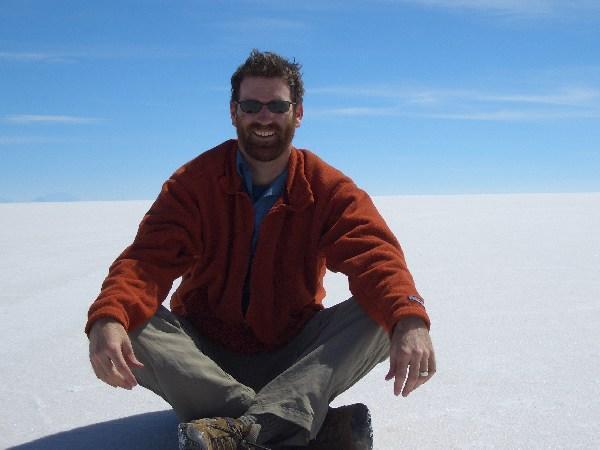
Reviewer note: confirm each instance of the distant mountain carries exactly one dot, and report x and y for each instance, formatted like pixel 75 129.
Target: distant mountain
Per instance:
pixel 56 197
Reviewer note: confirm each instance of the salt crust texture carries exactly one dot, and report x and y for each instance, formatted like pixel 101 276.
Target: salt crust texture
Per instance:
pixel 511 283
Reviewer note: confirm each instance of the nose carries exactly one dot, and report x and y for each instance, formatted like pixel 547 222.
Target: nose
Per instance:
pixel 264 115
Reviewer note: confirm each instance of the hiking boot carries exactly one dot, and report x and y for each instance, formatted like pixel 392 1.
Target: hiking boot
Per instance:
pixel 218 433
pixel 345 428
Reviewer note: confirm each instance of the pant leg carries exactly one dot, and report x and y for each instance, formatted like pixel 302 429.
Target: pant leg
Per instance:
pixel 338 347
pixel 177 369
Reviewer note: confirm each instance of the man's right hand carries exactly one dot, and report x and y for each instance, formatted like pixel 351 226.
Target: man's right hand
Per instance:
pixel 111 354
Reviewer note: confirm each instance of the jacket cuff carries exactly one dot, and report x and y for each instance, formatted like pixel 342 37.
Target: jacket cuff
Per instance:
pixel 106 313
pixel 415 308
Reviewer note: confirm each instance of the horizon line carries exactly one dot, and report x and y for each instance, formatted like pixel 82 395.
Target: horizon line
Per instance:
pixel 4 201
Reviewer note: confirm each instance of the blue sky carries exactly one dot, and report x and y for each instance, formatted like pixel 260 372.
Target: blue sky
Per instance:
pixel 104 100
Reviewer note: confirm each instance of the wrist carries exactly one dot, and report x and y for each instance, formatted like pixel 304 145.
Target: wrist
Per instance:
pixel 408 323
pixel 103 322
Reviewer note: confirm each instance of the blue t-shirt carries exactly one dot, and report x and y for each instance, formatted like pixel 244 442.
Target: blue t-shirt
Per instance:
pixel 263 199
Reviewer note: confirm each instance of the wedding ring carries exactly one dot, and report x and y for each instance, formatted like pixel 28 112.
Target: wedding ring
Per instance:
pixel 424 374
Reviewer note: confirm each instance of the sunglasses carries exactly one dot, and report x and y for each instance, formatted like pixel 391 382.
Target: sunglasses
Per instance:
pixel 275 106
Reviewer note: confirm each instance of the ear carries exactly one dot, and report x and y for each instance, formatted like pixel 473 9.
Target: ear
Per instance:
pixel 298 114
pixel 233 112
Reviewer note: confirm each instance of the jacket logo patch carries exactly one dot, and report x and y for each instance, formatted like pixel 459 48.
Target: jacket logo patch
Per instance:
pixel 414 298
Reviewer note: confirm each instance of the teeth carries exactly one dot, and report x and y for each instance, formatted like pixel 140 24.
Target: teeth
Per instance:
pixel 264 133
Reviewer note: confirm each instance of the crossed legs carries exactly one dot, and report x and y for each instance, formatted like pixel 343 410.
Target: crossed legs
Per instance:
pixel 295 383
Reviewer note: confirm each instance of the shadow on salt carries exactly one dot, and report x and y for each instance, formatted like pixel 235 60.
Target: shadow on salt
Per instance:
pixel 155 430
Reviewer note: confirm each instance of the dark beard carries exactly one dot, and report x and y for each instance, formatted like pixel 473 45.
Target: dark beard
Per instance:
pixel 265 153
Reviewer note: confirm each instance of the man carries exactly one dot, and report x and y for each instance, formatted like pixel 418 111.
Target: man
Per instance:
pixel 247 356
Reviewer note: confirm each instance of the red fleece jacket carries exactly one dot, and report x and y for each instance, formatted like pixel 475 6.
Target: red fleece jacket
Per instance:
pixel 200 228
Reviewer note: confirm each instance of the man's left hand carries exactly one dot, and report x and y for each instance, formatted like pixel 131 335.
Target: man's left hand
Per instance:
pixel 411 352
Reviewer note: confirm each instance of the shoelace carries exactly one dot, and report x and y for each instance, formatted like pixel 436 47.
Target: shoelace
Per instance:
pixel 240 436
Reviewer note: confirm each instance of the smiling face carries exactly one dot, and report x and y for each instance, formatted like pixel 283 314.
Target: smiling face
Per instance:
pixel 265 136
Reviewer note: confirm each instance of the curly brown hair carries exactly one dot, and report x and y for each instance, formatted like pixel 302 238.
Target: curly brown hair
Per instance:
pixel 270 65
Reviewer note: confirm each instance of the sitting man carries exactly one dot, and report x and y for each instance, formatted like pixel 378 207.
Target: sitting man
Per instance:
pixel 247 356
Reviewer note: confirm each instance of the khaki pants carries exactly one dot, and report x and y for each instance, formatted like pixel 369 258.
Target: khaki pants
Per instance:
pixel 198 378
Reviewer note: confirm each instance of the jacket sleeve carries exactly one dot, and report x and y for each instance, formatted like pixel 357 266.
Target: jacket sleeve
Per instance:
pixel 357 242
pixel 165 247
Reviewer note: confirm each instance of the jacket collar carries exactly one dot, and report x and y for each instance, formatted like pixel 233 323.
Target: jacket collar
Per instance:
pixel 297 194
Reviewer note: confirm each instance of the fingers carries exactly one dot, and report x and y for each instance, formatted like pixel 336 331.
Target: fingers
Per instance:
pixel 392 372
pixel 113 370
pixel 398 371
pixel 400 381
pixel 412 379
pixel 104 370
pixel 421 371
pixel 122 371
pixel 424 373
pixel 101 371
pixel 411 356
pixel 111 355
pixel 130 356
